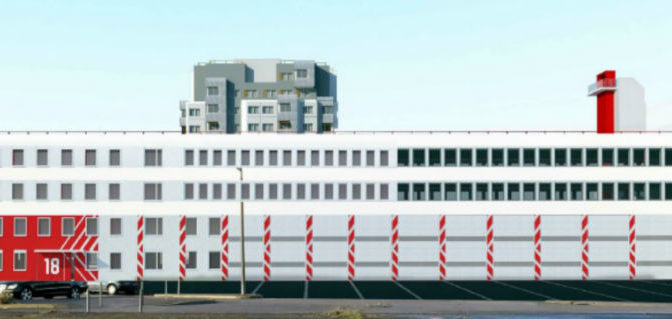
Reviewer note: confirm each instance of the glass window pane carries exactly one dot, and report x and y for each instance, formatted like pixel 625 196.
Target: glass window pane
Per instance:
pixel 529 157
pixel 450 157
pixel 576 190
pixel 528 191
pixel 482 192
pixel 466 191
pixel 607 157
pixel 638 157
pixel 450 191
pixel 498 191
pixel 419 191
pixel 497 157
pixel 418 157
pixel 560 191
pixel 623 157
pixel 576 157
pixel 513 156
pixel 435 157
pixel 434 191
pixel 654 157
pixel 544 157
pixel 591 157
pixel 623 191
pixel 654 191
pixel 481 157
pixel 545 189
pixel 639 191
pixel 465 157
pixel 402 157
pixel 560 157
pixel 402 191
pixel 668 157
pixel 607 191
pixel 591 191
pixel 513 191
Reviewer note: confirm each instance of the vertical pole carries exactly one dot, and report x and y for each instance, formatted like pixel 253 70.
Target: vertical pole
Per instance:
pixel 100 294
pixel 140 300
pixel 165 287
pixel 242 234
pixel 88 302
pixel 178 286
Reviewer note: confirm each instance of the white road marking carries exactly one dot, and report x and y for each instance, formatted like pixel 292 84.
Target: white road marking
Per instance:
pixel 407 290
pixel 258 286
pixel 467 290
pixel 356 290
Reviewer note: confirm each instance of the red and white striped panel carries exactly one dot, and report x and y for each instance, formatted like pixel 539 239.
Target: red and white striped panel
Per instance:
pixel 183 247
pixel 442 247
pixel 140 253
pixel 224 231
pixel 632 238
pixel 584 248
pixel 537 247
pixel 394 241
pixel 489 258
pixel 309 247
pixel 267 248
pixel 351 247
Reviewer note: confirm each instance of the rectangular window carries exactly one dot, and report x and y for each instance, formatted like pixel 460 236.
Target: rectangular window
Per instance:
pixel 217 191
pixel 115 226
pixel 466 191
pixel 91 260
pixel 213 226
pixel 66 191
pixel 67 226
pixel 43 226
pixel 576 157
pixel 315 158
pixel 560 157
pixel 153 191
pixel 342 191
pixel 529 157
pixel 623 157
pixel 513 157
pixel 370 158
pixel 402 157
pixel 529 191
pixel 654 157
pixel 203 157
pixel 213 260
pixel 153 260
pixel 90 157
pixel 356 191
pixel 607 191
pixel 287 158
pixel 153 157
pixel 482 192
pixel 384 192
pixel 66 157
pixel 285 107
pixel 623 191
pixel 638 157
pixel 498 157
pixel 561 191
pixel 115 158
pixel 267 109
pixel 20 260
pixel 189 157
pixel 544 158
pixel 20 227
pixel 17 191
pixel 591 191
pixel 213 108
pixel 17 157
pixel 90 191
pixel 639 191
pixel 654 191
pixel 202 191
pixel 245 157
pixel 91 226
pixel 154 226
pixel 419 191
pixel 259 158
pixel 576 190
pixel 192 260
pixel 450 157
pixel 41 191
pixel 231 158
pixel 213 90
pixel 481 157
pixel 273 158
pixel 114 191
pixel 245 191
pixel 188 191
pixel 465 157
pixel 115 261
pixel 435 157
pixel 498 191
pixel 434 191
pixel 315 191
pixel 272 191
pixel 42 158
pixel 217 158
pixel 668 157
pixel 668 191
pixel 343 158
pixel 252 110
pixel 402 191
pixel 607 157
pixel 230 191
pixel 370 191
pixel 328 158
pixel 591 157
pixel 513 191
pixel 545 189
pixel 383 158
pixel 300 158
pixel 356 158
pixel 286 191
pixel 191 226
pixel 258 191
pixel 450 191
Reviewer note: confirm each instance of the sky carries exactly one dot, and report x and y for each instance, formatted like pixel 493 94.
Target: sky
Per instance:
pixel 401 65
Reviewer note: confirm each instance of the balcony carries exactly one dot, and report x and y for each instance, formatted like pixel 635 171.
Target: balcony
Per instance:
pixel 602 86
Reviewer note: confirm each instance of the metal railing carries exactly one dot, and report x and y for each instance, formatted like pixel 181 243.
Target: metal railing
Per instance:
pixel 600 84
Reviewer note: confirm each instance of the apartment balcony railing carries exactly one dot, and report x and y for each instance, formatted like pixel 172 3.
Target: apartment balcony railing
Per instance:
pixel 602 86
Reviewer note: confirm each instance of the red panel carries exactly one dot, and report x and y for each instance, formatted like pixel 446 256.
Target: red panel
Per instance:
pixel 605 112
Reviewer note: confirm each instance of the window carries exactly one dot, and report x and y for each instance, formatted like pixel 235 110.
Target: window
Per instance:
pixel 576 191
pixel 115 158
pixel 654 157
pixel 66 157
pixel 314 191
pixel 115 226
pixel 231 158
pixel 66 191
pixel 342 191
pixel 560 157
pixel 217 158
pixel 481 157
pixel 91 226
pixel 17 191
pixel 114 191
pixel 513 191
pixel 482 192
pixel 607 191
pixel 561 191
pixel 328 158
pixel 383 158
pixel 308 109
pixel 434 191
pixel 545 189
pixel 253 127
pixel 576 157
pixel 230 191
pixel 213 260
pixel 213 90
pixel 450 157
pixel 356 158
pixel 591 191
pixel 301 73
pixel 435 157
pixel 245 157
pixel 250 93
pixel 20 260
pixel 252 109
pixel 90 191
pixel 217 191
pixel 213 108
pixel 273 158
pixel 192 258
pixel 513 157
pixel 90 157
pixel 402 191
pixel 17 157
pixel 287 158
pixel 402 157
pixel 20 227
pixel 370 191
pixel 465 157
pixel 42 158
pixel 41 191
pixel 300 158
pixel 286 191
pixel 343 158
pixel 591 157
pixel 308 127
pixel 668 157
pixel 43 226
pixel 418 157
pixel 202 191
pixel 115 261
pixel 191 226
pixel 154 226
pixel 498 157
pixel 258 191
pixel 91 260
pixel 623 191
pixel 654 191
pixel 329 191
pixel 267 109
pixel 267 127
pixel 245 191
pixel 529 157
pixel 189 158
pixel 153 260
pixel 529 191
pixel 450 191
pixel 607 157
pixel 384 192
pixel 194 112
pixel 419 191
pixel 67 226
pixel 623 157
pixel 465 191
pixel 285 107
pixel 639 191
pixel 356 191
pixel 154 157
pixel 544 157
pixel 638 157
pixel 498 191
pixel 213 226
pixel 370 158
pixel 203 157
pixel 315 158
pixel 153 191
pixel 668 191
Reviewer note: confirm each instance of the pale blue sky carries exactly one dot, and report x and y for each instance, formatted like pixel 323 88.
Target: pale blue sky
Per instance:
pixel 400 64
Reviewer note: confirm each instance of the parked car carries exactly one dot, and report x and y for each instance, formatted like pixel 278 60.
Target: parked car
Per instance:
pixel 27 290
pixel 114 287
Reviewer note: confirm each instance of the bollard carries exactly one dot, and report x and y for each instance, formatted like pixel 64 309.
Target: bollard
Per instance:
pixel 140 296
pixel 88 305
pixel 100 294
pixel 178 286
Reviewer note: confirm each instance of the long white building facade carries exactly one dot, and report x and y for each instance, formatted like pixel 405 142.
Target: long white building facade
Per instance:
pixel 338 206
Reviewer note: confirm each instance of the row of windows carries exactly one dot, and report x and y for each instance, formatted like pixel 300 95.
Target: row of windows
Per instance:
pixel 152 191
pixel 514 191
pixel 287 191
pixel 153 157
pixel 287 158
pixel 534 157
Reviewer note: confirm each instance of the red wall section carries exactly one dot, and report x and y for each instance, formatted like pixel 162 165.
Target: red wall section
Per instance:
pixel 61 251
pixel 605 112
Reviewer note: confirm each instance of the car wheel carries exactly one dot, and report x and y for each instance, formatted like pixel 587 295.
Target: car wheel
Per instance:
pixel 74 293
pixel 111 289
pixel 26 294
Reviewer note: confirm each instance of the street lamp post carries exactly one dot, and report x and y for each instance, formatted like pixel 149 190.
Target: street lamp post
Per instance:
pixel 242 233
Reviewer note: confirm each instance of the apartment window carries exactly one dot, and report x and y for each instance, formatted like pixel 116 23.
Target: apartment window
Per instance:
pixel 216 191
pixel 192 258
pixel 356 158
pixel 434 191
pixel 482 191
pixel 529 191
pixel 213 90
pixel 591 191
pixel 301 73
pixel 231 158
pixel 513 157
pixel 668 191
pixel 217 158
pixel 230 191
pixel 245 158
pixel 188 191
pixel 191 226
pixel 308 127
pixel 607 191
pixel 576 191
pixel 342 158
pixel 607 157
pixel 561 191
pixel 153 191
pixel 115 261
pixel 370 191
pixel 90 191
pixel 194 112
pixel 329 191
pixel 545 157
pixel 245 191
pixel 67 226
pixel 272 191
pixel 213 260
pixel 90 157
pixel 419 191
pixel 20 260
pixel 576 157
pixel 202 191
pixel 308 109
pixel 286 191
pixel 17 157
pixel 41 191
pixel 450 191
pixel 66 157
pixel 560 157
pixel 43 226
pixel 529 157
pixel 342 191
pixel 213 108
pixel 402 157
pixel 17 191
pixel 383 158
pixel 42 158
pixel 639 191
pixel 668 157
pixel 623 191
pixel 188 157
pixel 315 191
pixel 267 127
pixel 20 227
pixel 466 190
pixel 203 157
pixel 154 226
pixel 402 191
pixel 513 191
pixel 213 226
pixel 315 158
pixel 251 93
pixel 115 226
pixel 273 158
pixel 498 191
pixel 91 260
pixel 258 191
pixel 66 191
pixel 623 157
pixel 287 158
pixel 114 191
pixel 267 110
pixel 285 107
pixel 654 157
pixel 300 158
pixel 328 158
pixel 154 157
pixel 545 190
pixel 252 109
pixel 591 157
pixel 638 157
pixel 498 157
pixel 370 158
pixel 435 157
pixel 654 191
pixel 91 226
pixel 450 157
pixel 356 191
pixel 465 157
pixel 481 157
pixel 153 260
